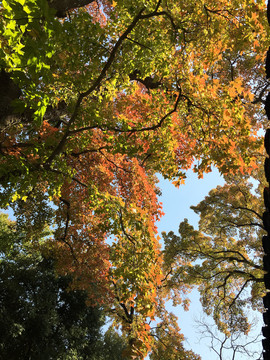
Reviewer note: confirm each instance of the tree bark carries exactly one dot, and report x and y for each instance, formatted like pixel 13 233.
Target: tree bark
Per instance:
pixel 62 6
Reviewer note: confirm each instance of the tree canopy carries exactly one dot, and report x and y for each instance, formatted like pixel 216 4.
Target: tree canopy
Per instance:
pixel 39 317
pixel 224 257
pixel 96 98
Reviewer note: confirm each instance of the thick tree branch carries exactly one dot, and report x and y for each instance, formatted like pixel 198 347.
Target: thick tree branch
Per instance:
pixel 98 81
pixel 62 6
pixel 247 224
pixel 95 85
pixel 128 316
pixel 247 209
pixel 239 293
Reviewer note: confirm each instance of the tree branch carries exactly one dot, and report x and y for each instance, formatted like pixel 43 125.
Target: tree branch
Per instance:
pixel 95 85
pixel 245 208
pixel 62 6
pixel 128 236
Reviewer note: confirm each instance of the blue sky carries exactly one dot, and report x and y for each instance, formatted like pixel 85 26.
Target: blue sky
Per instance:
pixel 177 202
pixel 176 206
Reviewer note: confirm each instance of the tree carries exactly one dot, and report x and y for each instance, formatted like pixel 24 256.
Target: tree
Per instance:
pixel 224 256
pixel 230 347
pixel 97 102
pixel 168 342
pixel 39 317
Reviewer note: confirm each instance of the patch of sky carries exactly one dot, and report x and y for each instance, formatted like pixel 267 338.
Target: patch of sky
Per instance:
pixel 176 206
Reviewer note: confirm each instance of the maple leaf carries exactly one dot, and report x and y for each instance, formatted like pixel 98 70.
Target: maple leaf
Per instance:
pixel 95 101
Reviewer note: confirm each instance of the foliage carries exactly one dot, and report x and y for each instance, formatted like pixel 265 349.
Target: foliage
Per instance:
pixel 224 256
pixel 7 234
pixel 168 342
pixel 40 318
pixel 97 102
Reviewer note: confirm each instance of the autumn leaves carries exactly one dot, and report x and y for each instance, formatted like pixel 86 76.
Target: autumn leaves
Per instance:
pixel 115 93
